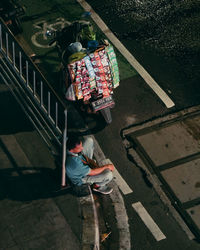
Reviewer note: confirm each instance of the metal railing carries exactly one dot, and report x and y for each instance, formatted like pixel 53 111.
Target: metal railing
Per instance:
pixel 43 106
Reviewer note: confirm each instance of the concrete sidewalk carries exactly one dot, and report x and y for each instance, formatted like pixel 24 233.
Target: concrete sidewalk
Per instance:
pixel 168 149
pixel 35 213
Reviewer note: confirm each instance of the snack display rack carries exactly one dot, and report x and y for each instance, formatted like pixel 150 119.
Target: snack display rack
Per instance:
pixel 96 74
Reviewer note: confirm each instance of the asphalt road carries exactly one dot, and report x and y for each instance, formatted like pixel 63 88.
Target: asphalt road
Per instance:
pixel 163 37
pixel 135 103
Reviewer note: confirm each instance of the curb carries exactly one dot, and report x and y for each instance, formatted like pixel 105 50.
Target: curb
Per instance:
pixel 118 203
pixel 90 235
pixel 153 179
pixel 140 163
pixel 165 119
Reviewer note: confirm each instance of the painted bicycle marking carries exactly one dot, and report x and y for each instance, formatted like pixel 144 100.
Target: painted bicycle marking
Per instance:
pixel 40 38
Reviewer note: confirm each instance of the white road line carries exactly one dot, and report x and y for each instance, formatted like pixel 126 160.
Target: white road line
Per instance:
pixel 121 183
pixel 148 221
pixel 144 74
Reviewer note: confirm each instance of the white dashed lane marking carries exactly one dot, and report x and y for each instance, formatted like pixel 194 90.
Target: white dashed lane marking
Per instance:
pixel 121 183
pixel 148 221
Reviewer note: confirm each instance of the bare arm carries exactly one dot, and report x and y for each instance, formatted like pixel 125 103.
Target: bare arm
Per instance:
pixel 101 169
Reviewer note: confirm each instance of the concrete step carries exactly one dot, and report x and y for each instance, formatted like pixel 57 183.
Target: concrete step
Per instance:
pixel 14 151
pixel 31 217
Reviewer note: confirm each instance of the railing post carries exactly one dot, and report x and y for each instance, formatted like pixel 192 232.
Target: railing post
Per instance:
pixel 41 93
pixel 27 80
pixel 56 120
pixel 1 45
pixel 13 53
pixel 49 104
pixel 7 44
pixel 20 63
pixel 64 151
pixel 34 84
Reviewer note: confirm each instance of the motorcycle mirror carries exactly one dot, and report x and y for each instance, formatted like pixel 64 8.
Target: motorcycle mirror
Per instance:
pixel 50 33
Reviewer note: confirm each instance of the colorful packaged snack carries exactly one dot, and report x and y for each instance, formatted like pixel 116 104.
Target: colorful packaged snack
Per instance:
pixel 86 97
pixel 89 67
pixel 113 66
pixel 92 83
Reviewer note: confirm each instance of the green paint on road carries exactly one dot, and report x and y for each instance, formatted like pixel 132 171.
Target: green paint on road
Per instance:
pixel 41 16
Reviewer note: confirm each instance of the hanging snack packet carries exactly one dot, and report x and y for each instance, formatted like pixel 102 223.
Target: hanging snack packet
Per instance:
pixel 113 65
pixel 92 83
pixel 89 67
pixel 78 87
pixel 72 71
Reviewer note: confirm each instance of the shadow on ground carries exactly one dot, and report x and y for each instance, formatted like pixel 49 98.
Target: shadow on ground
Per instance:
pixel 30 183
pixel 13 119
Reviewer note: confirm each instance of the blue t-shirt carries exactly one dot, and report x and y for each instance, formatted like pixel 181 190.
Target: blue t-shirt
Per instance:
pixel 76 169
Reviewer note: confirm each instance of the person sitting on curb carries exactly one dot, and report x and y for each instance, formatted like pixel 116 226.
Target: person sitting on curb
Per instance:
pixel 81 169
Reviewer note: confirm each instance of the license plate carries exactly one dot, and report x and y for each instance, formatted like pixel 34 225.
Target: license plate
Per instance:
pixel 103 103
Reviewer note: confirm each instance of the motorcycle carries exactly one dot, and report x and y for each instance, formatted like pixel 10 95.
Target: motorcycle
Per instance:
pixel 75 42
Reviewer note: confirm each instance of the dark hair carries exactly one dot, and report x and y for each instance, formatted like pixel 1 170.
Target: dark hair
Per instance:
pixel 72 141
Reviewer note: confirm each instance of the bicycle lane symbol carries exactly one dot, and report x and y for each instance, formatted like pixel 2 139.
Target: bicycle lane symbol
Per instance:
pixel 40 39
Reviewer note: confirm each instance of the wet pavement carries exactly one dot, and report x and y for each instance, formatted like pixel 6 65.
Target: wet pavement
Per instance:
pixel 169 148
pixel 164 37
pixel 169 27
